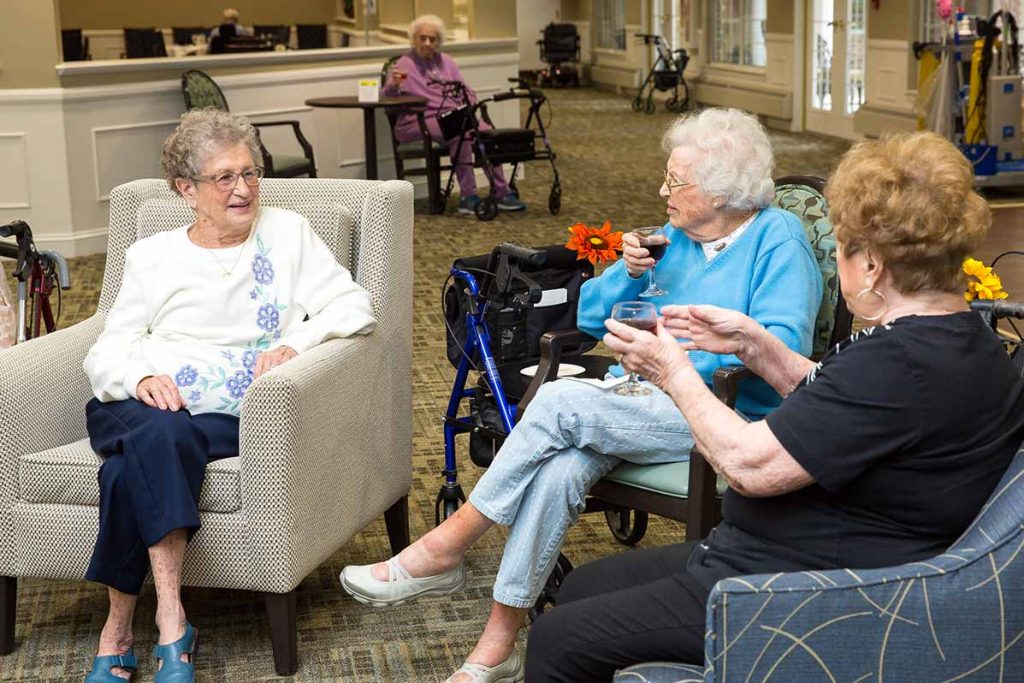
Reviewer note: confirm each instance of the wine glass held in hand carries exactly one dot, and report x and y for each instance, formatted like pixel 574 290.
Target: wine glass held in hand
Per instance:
pixel 643 316
pixel 653 239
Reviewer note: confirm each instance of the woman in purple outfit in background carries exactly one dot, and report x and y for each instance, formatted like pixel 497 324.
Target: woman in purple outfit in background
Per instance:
pixel 419 73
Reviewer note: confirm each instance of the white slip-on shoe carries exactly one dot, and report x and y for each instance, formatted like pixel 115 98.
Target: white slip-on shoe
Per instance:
pixel 509 671
pixel 400 587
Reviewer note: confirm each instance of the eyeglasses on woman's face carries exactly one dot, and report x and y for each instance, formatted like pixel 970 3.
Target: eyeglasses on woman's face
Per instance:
pixel 673 183
pixel 228 180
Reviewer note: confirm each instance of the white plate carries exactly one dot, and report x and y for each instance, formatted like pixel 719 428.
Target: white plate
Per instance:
pixel 564 370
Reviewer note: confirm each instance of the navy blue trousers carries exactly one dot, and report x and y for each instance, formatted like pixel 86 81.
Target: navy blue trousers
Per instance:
pixel 153 468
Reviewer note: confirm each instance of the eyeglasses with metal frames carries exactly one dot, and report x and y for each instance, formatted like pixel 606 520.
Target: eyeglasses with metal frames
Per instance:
pixel 227 181
pixel 672 184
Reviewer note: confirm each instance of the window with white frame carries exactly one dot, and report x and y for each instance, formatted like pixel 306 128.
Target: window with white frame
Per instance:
pixel 736 28
pixel 610 24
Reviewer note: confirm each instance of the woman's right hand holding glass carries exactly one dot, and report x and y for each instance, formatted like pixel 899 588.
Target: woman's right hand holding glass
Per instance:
pixel 710 328
pixel 397 76
pixel 638 260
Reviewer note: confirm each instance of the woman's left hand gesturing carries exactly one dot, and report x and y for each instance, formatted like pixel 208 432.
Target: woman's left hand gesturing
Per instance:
pixel 271 359
pixel 655 356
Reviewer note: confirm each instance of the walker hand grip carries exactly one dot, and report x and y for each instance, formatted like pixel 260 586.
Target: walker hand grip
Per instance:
pixel 14 229
pixel 525 255
pixel 999 309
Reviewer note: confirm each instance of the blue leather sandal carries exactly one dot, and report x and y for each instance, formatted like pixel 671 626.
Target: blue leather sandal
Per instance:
pixel 102 665
pixel 173 670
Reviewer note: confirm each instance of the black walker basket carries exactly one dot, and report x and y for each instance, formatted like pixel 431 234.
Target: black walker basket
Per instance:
pixel 515 331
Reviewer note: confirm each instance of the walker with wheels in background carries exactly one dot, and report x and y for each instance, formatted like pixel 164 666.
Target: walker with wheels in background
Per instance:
pixel 666 75
pixel 498 145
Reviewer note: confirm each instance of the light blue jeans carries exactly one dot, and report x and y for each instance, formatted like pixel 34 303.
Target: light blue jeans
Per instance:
pixel 570 436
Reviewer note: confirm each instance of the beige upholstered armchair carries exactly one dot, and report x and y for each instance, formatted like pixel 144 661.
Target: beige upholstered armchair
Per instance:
pixel 326 439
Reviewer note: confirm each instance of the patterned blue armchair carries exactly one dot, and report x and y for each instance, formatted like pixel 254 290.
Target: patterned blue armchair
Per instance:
pixel 956 617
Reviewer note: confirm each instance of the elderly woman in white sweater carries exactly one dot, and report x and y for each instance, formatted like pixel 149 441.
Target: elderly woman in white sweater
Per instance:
pixel 203 311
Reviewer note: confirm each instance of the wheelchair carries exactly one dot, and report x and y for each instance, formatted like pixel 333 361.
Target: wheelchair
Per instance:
pixel 559 48
pixel 666 75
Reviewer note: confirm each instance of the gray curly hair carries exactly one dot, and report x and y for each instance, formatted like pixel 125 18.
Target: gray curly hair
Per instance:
pixel 200 134
pixel 431 20
pixel 734 160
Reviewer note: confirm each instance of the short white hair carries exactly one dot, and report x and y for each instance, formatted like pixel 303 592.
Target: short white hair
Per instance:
pixel 733 160
pixel 431 20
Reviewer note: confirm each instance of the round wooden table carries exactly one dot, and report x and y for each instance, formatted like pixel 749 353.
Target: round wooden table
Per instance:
pixel 369 119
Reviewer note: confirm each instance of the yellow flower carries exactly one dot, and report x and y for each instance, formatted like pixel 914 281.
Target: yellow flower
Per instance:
pixel 982 283
pixel 594 244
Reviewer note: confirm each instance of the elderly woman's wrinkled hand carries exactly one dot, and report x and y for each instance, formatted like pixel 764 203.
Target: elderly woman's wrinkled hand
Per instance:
pixel 396 77
pixel 710 328
pixel 638 260
pixel 655 356
pixel 160 391
pixel 271 359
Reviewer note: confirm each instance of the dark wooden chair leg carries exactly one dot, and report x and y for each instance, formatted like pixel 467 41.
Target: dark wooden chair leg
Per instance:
pixel 703 502
pixel 396 518
pixel 8 612
pixel 283 631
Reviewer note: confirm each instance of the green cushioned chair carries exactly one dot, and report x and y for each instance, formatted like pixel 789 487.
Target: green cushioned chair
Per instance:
pixel 199 91
pixel 690 491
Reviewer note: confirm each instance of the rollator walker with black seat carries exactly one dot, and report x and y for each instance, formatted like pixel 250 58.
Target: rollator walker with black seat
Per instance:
pixel 498 308
pixel 666 75
pixel 498 145
pixel 459 118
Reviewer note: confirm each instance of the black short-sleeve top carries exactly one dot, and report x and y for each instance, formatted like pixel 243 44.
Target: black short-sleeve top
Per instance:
pixel 906 429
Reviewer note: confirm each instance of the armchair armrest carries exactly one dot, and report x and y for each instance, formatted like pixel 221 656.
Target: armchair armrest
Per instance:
pixel 934 620
pixel 704 509
pixel 552 344
pixel 307 149
pixel 43 392
pixel 326 447
pixel 726 382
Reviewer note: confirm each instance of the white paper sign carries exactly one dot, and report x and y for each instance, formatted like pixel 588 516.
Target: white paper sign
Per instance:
pixel 369 90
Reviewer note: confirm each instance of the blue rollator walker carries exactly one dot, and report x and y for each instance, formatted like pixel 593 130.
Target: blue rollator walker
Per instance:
pixel 498 310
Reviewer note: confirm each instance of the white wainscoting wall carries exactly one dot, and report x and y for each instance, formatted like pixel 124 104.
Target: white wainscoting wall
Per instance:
pixel 64 149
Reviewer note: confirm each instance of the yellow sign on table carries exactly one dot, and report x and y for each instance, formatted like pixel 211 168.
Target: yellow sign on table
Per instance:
pixel 369 90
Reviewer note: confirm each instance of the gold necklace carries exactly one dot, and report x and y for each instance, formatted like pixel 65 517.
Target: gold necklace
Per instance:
pixel 238 259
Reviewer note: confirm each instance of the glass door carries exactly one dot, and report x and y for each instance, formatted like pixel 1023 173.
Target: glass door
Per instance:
pixel 837 47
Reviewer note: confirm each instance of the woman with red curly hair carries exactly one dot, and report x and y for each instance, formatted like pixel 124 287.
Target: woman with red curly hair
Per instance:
pixel 881 454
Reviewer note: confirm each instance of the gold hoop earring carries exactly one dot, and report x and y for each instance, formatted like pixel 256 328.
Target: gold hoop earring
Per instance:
pixel 885 302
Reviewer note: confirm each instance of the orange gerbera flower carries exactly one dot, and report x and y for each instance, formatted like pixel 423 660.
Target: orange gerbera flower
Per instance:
pixel 595 244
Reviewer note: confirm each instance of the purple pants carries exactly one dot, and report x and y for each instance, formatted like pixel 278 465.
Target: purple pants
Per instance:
pixel 408 130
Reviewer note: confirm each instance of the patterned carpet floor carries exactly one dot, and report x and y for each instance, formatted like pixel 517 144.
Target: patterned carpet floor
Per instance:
pixel 611 165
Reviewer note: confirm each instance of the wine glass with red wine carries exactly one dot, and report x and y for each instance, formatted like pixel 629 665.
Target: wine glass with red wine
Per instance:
pixel 643 316
pixel 653 239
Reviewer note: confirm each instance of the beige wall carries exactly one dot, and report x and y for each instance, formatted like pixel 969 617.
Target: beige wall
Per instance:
pixel 396 11
pixel 575 10
pixel 441 8
pixel 780 16
pixel 634 12
pixel 29 43
pixel 121 13
pixel 891 21
pixel 492 19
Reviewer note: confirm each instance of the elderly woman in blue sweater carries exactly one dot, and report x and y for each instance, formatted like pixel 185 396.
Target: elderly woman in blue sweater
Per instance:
pixel 726 247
